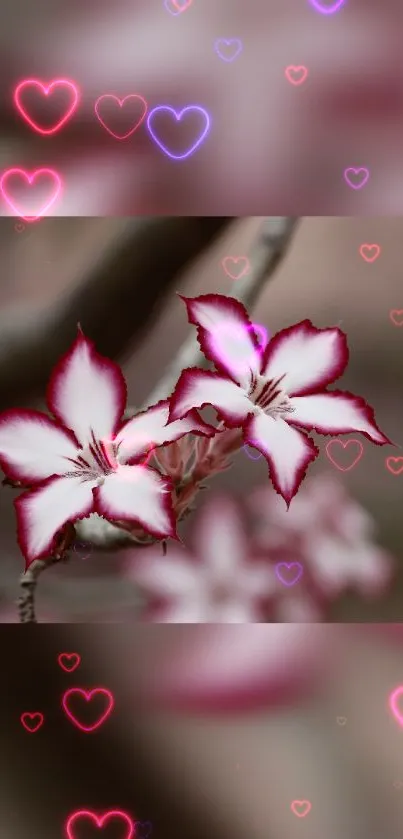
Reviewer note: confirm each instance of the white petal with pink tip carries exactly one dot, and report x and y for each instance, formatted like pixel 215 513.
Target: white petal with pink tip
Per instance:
pixel 87 393
pixel 44 511
pixel 196 388
pixel 307 357
pixel 34 446
pixel 332 413
pixel 150 429
pixel 137 494
pixel 228 336
pixel 288 451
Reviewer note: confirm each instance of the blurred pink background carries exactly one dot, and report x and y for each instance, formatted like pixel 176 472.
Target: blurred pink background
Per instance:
pixel 273 146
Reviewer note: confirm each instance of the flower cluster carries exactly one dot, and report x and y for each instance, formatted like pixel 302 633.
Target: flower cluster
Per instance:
pixel 142 474
pixel 256 562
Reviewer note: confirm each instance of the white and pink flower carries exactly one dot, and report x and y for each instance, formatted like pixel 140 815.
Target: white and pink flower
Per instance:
pixel 84 459
pixel 272 393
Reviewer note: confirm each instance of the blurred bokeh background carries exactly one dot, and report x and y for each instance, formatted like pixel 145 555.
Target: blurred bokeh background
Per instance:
pixel 273 145
pixel 60 271
pixel 329 738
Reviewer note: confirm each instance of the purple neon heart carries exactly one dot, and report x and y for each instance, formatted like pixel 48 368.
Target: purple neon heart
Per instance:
pixel 178 116
pixel 327 10
pixel 288 566
pixel 256 456
pixel 223 41
pixel 172 12
pixel 353 171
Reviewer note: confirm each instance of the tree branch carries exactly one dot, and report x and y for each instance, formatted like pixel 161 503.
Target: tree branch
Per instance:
pixel 268 252
pixel 114 304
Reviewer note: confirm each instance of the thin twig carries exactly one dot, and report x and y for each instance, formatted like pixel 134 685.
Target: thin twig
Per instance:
pixel 28 583
pixel 269 250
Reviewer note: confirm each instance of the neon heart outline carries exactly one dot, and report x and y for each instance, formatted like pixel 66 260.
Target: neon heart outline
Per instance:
pixel 69 655
pixel 32 714
pixel 316 5
pixel 393 699
pixel 30 179
pixel 390 468
pixel 46 89
pixel 345 445
pixel 396 312
pixel 294 67
pixel 368 258
pixel 178 116
pixel 296 803
pixel 228 41
pixel 99 821
pixel 288 565
pixel 87 695
pixel 356 170
pixel 236 259
pixel 121 103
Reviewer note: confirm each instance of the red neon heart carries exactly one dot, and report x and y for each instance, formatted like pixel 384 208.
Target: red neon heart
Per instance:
pixel 121 104
pixel 99 821
pixel 27 720
pixel 334 443
pixel 46 90
pixel 88 696
pixel 370 252
pixel 65 658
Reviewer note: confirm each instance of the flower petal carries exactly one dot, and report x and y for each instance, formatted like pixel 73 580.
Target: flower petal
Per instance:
pixel 220 540
pixel 137 494
pixel 226 335
pixel 168 576
pixel 149 429
pixel 43 511
pixel 287 451
pixel 336 412
pixel 33 446
pixel 197 388
pixel 308 358
pixel 87 392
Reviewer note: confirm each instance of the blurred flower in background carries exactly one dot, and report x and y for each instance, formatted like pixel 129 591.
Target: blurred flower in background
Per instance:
pixel 221 582
pixel 260 562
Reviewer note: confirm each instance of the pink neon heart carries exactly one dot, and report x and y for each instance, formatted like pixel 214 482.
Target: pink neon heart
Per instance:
pixel 121 103
pixel 301 808
pixel 296 75
pixel 46 90
pixel 30 178
pixel 88 696
pixel 334 443
pixel 65 658
pixel 28 717
pixel 393 704
pixel 235 260
pixel 396 316
pixel 370 252
pixel 100 822
pixel 394 465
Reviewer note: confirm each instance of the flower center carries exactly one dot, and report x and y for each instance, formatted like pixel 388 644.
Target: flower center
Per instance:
pixel 94 462
pixel 267 395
